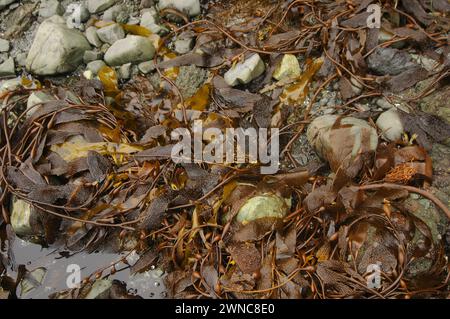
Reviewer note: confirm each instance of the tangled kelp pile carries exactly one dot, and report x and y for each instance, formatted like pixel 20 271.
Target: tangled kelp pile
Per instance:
pixel 90 167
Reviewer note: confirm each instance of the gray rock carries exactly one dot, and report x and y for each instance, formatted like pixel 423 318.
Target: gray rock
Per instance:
pixel 21 59
pixel 112 13
pixel 111 33
pixel 100 289
pixel 37 98
pixel 244 72
pixel 77 14
pixel 125 71
pixel 105 47
pixel 389 61
pixel 132 49
pixel 90 56
pixel 4 3
pixel 190 7
pixel 92 37
pixel 4 45
pixel 149 20
pixel 56 49
pixel 390 125
pixel 146 67
pixel 183 46
pixel 49 8
pixel 96 6
pixel 95 66
pixel 7 68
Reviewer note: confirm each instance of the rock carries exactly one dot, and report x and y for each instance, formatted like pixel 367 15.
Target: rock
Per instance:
pixel 10 85
pixel 132 49
pixel 146 67
pixel 90 56
pixel 95 66
pixel 342 146
pixel 245 71
pixel 37 98
pixel 149 20
pixel 22 214
pixel 100 289
pixel 96 6
pixel 390 125
pixel 112 13
pixel 389 61
pixel 4 3
pixel 7 68
pixel 289 68
pixel 78 13
pixel 32 280
pixel 183 46
pixel 111 33
pixel 49 8
pixel 92 37
pixel 190 7
pixel 4 45
pixel 21 59
pixel 263 206
pixel 56 49
pixel 125 71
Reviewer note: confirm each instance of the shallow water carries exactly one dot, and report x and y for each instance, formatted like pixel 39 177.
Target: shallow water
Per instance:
pixel 148 285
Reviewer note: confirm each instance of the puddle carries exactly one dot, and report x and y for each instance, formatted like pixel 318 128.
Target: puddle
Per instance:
pixel 58 264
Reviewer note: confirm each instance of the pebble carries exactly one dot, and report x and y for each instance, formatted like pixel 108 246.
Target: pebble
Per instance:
pixel 92 37
pixel 49 8
pixel 96 6
pixel 189 7
pixel 183 46
pixel 125 71
pixel 244 72
pixel 90 56
pixel 111 33
pixel 95 66
pixel 390 125
pixel 146 67
pixel 132 49
pixel 4 45
pixel 289 68
pixel 7 68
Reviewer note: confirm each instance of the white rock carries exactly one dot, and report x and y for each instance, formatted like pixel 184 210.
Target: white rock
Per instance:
pixel 183 46
pixel 56 49
pixel 4 45
pixel 92 37
pixel 289 68
pixel 245 71
pixel 96 6
pixel 37 98
pixel 7 68
pixel 390 125
pixel 149 20
pixel 111 33
pixel 112 13
pixel 190 7
pixel 49 8
pixel 132 49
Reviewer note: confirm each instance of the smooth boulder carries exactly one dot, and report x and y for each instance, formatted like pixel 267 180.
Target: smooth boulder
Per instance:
pixel 56 49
